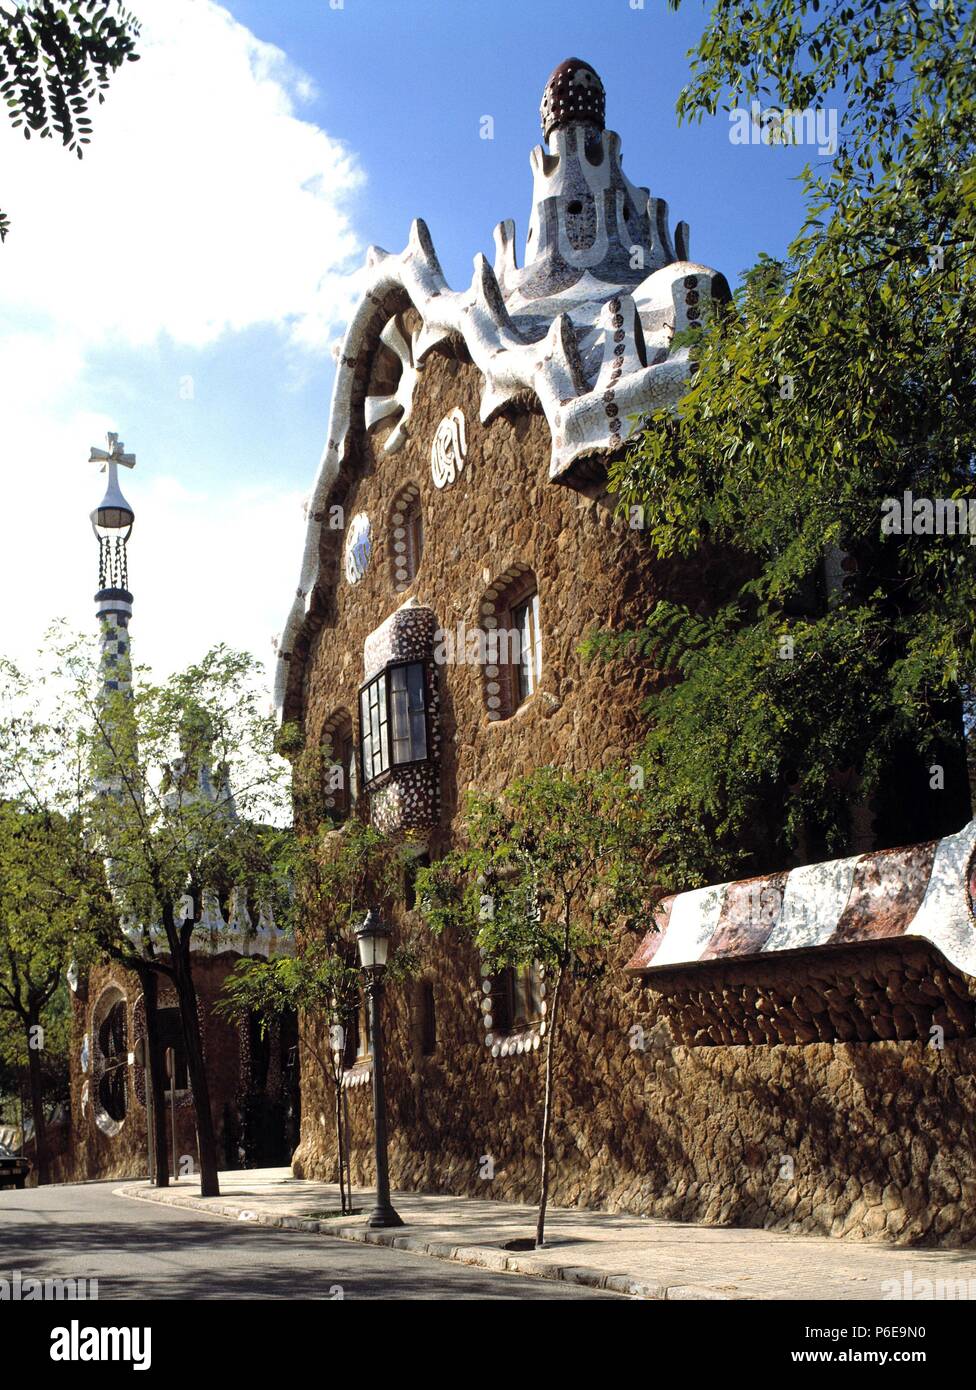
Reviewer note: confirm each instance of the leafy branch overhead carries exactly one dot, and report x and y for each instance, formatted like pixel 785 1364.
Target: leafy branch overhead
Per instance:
pixel 836 647
pixel 56 60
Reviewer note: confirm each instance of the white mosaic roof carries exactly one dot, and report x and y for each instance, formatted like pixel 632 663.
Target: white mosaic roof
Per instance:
pixel 585 326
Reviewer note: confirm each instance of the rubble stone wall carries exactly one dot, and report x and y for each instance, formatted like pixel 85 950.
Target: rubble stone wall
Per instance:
pixel 855 1139
pixel 95 1154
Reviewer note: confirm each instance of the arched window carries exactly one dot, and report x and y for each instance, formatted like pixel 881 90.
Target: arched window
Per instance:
pixel 339 772
pixel 509 618
pixel 407 531
pixel 111 1060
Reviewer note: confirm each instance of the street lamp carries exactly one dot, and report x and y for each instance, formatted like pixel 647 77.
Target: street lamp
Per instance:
pixel 373 940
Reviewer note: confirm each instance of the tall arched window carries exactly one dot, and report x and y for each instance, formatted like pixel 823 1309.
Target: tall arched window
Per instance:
pixel 407 531
pixel 111 1060
pixel 339 771
pixel 509 618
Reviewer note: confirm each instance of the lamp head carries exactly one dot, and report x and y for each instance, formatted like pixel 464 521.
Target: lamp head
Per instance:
pixel 373 941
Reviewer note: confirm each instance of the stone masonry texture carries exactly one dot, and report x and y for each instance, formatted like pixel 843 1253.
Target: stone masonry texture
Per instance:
pixel 844 1138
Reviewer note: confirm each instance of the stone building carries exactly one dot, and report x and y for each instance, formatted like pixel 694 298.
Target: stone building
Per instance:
pixel 763 1056
pixel 253 1076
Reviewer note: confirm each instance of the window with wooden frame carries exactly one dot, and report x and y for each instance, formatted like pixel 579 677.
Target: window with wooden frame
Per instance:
pixel 509 617
pixel 339 771
pixel 527 661
pixel 407 530
pixel 358 1042
pixel 393 720
pixel 516 1002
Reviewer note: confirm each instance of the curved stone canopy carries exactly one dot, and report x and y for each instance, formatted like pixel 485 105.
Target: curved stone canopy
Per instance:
pixel 585 326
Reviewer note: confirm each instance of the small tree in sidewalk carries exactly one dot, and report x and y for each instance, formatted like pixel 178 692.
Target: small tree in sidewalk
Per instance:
pixel 550 870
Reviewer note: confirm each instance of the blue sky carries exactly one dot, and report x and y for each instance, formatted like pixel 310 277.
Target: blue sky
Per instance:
pixel 185 283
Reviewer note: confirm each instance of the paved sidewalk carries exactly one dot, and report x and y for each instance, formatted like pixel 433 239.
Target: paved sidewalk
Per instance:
pixel 642 1257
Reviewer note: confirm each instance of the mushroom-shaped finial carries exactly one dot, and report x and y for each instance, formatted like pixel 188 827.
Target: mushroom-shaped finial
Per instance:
pixel 574 95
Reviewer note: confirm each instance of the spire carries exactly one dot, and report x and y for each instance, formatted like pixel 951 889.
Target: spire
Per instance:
pixel 112 522
pixel 589 222
pixel 574 95
pixel 112 519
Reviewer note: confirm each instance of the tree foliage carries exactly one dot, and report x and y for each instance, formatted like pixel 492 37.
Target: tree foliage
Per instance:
pixel 842 376
pixel 338 875
pixel 178 789
pixel 321 987
pixel 55 60
pixel 52 891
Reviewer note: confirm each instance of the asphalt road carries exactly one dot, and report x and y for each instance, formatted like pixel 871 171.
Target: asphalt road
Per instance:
pixel 142 1251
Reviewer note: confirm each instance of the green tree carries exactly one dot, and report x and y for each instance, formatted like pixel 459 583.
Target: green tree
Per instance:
pixel 322 988
pixel 337 874
pixel 150 772
pixel 46 913
pixel 841 378
pixel 55 59
pixel 550 872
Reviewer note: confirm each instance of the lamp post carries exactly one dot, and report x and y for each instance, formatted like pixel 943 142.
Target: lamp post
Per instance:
pixel 373 940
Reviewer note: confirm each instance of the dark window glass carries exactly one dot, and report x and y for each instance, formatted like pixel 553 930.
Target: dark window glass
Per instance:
pixel 112 1043
pixel 393 719
pixel 525 622
pixel 428 1021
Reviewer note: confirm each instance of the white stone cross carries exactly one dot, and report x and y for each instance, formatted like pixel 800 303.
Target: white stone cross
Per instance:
pixel 112 456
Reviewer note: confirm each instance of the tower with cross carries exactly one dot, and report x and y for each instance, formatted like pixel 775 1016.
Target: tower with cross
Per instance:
pixel 112 522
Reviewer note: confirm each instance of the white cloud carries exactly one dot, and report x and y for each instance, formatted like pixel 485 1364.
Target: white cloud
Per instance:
pixel 204 205
pixel 204 202
pixel 194 584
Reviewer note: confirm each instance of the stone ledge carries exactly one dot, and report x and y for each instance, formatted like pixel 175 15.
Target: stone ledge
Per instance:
pixel 478 1256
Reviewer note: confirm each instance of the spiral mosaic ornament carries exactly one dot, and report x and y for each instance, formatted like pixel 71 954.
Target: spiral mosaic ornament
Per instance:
pixel 449 449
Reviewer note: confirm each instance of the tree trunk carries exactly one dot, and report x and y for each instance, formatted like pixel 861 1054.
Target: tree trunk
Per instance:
pixel 206 1139
pixel 37 1104
pixel 553 1020
pixel 341 1160
pixel 155 1076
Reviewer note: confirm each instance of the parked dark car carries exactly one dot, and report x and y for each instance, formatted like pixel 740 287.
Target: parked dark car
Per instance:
pixel 14 1170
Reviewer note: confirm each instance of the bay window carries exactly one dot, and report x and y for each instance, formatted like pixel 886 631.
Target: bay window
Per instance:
pixel 393 719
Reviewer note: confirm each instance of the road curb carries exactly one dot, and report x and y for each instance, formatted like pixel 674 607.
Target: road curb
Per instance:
pixel 477 1256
